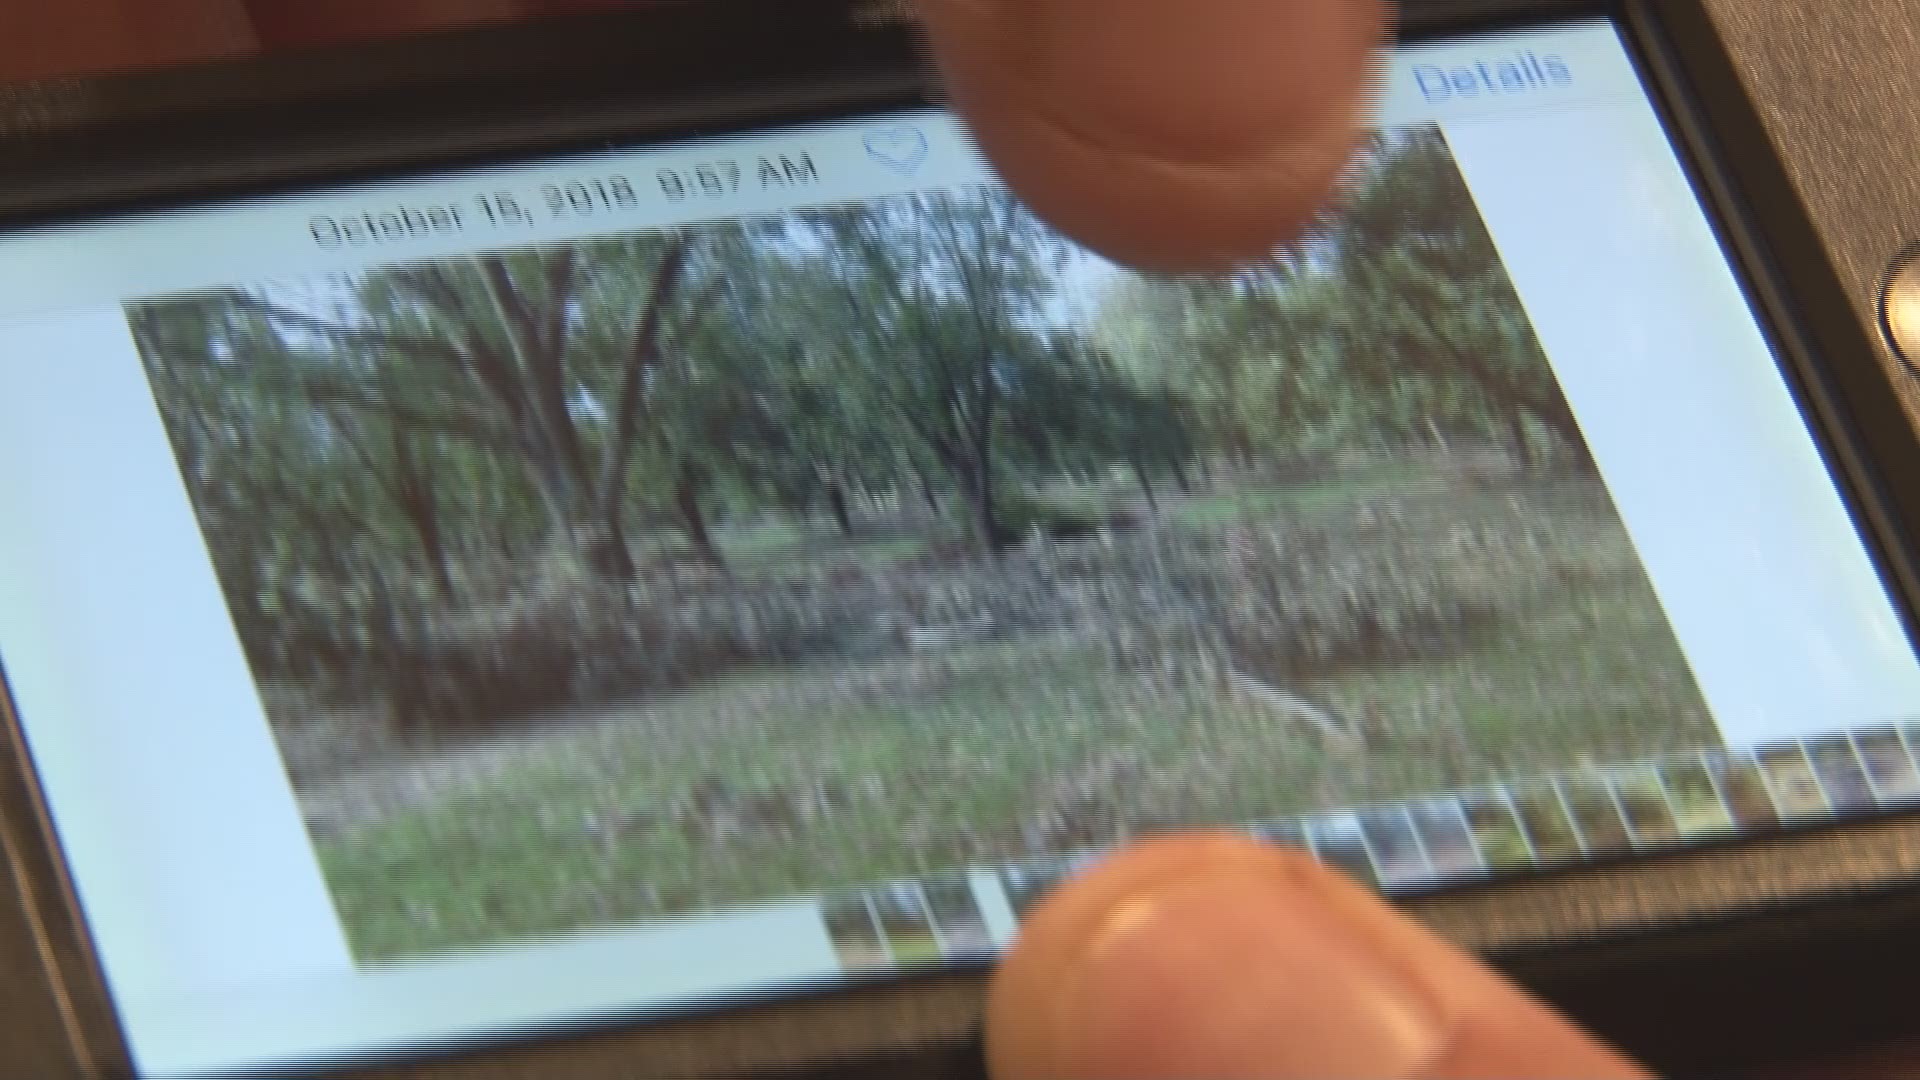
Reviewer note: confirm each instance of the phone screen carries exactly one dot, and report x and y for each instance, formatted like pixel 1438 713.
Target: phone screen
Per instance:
pixel 575 588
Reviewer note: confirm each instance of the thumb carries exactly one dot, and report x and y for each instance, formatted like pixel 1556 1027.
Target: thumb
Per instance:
pixel 1217 956
pixel 1191 135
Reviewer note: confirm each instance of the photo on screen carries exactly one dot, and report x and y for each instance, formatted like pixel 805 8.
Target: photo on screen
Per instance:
pixel 1497 832
pixel 1739 777
pixel 906 923
pixel 1028 883
pixel 1442 827
pixel 665 572
pixel 854 930
pixel 1796 787
pixel 1698 809
pixel 1841 776
pixel 957 916
pixel 1596 813
pixel 1340 842
pixel 1888 765
pixel 1290 834
pixel 1396 850
pixel 1545 818
pixel 1643 802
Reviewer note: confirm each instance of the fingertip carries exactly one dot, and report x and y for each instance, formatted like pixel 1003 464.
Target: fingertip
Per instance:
pixel 1172 137
pixel 1212 954
pixel 1146 210
pixel 1207 955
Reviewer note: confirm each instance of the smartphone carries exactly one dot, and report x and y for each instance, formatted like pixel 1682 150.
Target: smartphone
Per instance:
pixel 663 538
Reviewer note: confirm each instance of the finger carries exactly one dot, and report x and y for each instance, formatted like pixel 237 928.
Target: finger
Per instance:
pixel 89 37
pixel 1214 955
pixel 1187 135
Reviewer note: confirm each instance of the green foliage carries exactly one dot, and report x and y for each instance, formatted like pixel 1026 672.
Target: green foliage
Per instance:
pixel 1024 513
pixel 1394 324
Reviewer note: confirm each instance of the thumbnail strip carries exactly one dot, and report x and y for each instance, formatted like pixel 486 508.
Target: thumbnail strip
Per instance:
pixel 1472 835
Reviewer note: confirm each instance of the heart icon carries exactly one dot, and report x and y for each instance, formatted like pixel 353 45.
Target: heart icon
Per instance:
pixel 902 149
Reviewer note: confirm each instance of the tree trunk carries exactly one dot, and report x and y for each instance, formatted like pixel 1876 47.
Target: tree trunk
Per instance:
pixel 607 495
pixel 974 473
pixel 977 488
pixel 603 547
pixel 427 524
pixel 837 503
pixel 986 516
pixel 417 503
pixel 927 494
pixel 980 451
pixel 1182 476
pixel 1146 486
pixel 1522 441
pixel 686 500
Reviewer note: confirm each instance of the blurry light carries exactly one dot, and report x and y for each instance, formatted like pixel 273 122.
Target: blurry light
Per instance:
pixel 1900 309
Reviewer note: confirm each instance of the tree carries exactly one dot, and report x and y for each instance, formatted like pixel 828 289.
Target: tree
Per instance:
pixel 942 295
pixel 1393 320
pixel 1439 304
pixel 1078 412
pixel 542 357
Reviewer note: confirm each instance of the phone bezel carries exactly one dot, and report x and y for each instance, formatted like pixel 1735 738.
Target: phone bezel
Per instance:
pixel 84 149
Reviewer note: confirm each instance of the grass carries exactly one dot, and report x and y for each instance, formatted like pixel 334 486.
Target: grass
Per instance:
pixel 1298 503
pixel 778 545
pixel 939 764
